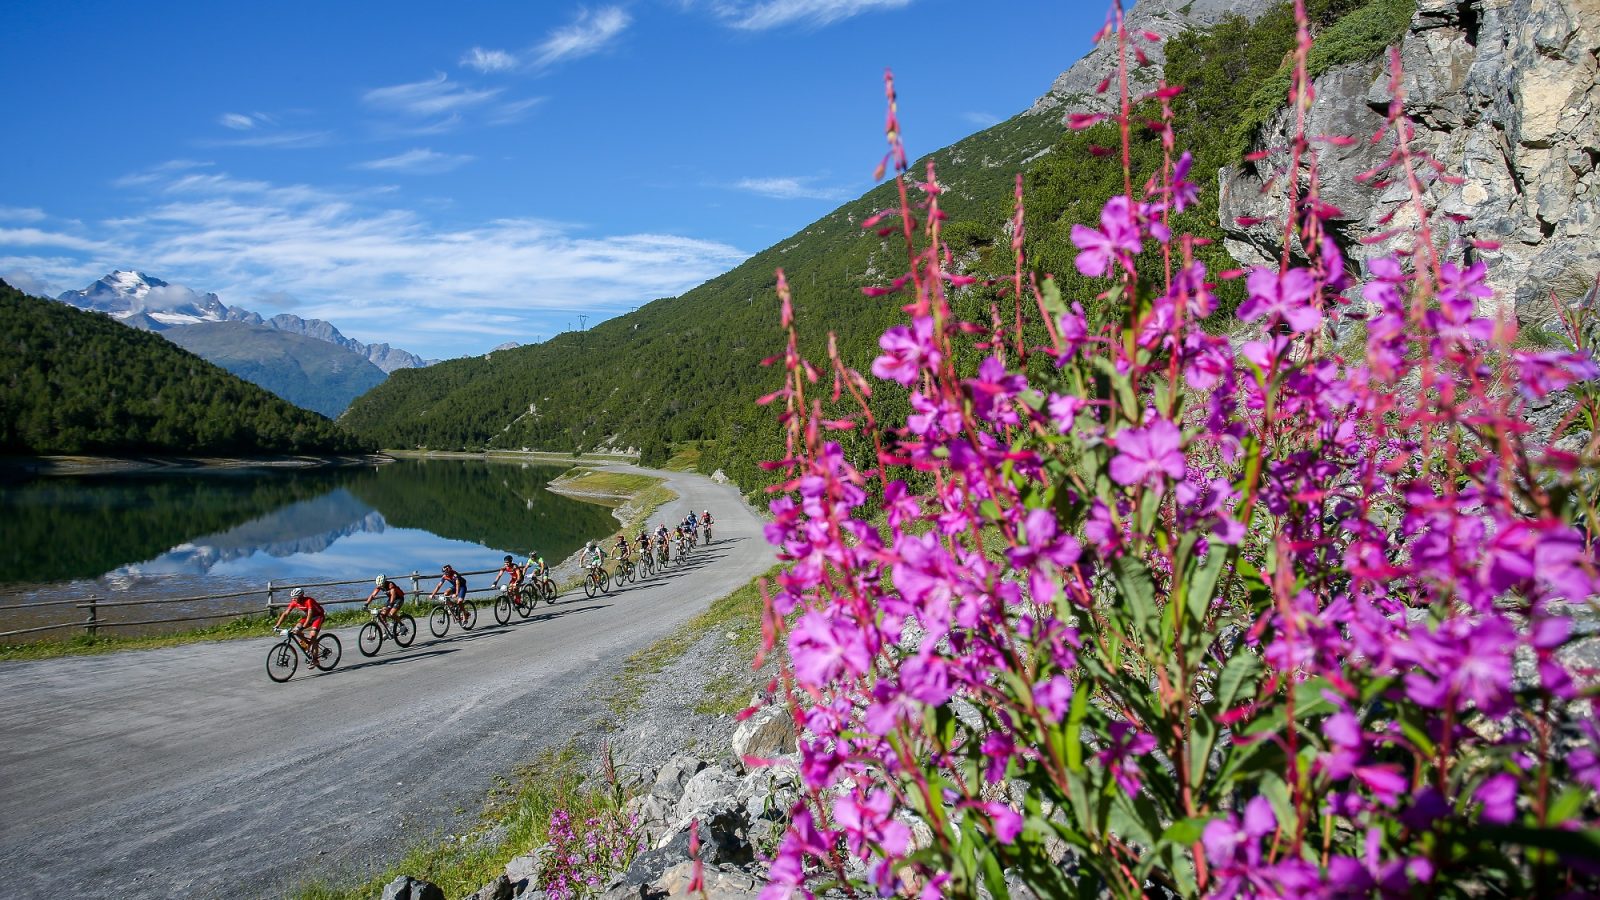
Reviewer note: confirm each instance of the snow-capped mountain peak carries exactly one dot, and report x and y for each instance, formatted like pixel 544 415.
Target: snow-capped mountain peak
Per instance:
pixel 145 302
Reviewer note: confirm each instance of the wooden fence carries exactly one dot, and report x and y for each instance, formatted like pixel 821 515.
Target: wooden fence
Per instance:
pixel 92 606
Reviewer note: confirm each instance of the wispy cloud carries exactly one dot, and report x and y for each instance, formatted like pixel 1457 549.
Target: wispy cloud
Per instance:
pixel 982 118
pixel 790 188
pixel 420 161
pixel 236 121
pixel 380 272
pixel 761 15
pixel 489 60
pixel 588 34
pixel 435 96
pixel 288 140
pixel 21 214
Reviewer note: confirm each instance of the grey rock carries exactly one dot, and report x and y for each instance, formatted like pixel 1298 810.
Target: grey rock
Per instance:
pixel 674 777
pixel 719 884
pixel 523 871
pixel 500 888
pixel 766 734
pixel 407 888
pixel 711 788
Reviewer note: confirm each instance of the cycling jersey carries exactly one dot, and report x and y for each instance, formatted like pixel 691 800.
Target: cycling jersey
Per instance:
pixel 512 573
pixel 535 565
pixel 312 609
pixel 395 595
pixel 458 585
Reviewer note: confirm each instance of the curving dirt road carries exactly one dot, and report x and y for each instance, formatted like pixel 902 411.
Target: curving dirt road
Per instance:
pixel 184 772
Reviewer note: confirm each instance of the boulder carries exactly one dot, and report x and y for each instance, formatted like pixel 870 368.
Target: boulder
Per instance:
pixel 523 871
pixel 767 733
pixel 674 777
pixel 711 788
pixel 650 815
pixel 720 884
pixel 407 888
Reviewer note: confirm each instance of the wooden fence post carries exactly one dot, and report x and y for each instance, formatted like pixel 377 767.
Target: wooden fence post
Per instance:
pixel 269 598
pixel 94 617
pixel 416 587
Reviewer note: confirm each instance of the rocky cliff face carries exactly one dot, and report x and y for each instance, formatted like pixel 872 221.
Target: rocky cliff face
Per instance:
pixel 1504 95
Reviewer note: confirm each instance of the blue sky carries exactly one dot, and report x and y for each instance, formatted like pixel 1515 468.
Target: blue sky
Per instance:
pixel 450 176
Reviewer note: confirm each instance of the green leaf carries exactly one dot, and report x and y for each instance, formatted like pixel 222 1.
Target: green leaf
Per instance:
pixel 1050 293
pixel 1075 718
pixel 1138 590
pixel 1185 831
pixel 1240 669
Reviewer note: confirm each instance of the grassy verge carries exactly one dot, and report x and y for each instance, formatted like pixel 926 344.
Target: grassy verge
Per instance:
pixel 520 805
pixel 621 485
pixel 685 459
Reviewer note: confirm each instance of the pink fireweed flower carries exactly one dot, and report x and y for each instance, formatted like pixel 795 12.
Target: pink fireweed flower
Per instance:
pixel 823 648
pixel 1145 454
pixel 1285 297
pixel 1126 744
pixel 906 352
pixel 1117 238
pixel 1544 371
pixel 866 822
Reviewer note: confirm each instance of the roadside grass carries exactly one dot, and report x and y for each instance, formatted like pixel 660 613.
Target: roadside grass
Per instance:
pixel 685 459
pixel 521 805
pixel 615 484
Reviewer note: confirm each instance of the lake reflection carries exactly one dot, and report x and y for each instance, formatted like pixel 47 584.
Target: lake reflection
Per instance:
pixel 131 535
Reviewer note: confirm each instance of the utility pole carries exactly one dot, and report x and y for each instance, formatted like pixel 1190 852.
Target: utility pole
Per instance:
pixel 583 322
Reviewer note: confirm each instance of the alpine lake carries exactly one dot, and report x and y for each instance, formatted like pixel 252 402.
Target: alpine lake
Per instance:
pixel 203 533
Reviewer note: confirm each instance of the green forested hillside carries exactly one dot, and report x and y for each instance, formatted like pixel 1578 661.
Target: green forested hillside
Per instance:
pixel 687 368
pixel 309 373
pixel 80 382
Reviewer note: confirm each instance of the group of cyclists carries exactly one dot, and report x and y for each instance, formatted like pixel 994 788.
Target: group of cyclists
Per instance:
pixel 530 578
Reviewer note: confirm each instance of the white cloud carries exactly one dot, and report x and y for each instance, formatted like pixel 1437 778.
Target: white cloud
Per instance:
pixel 792 188
pixel 289 140
pixel 236 121
pixel 378 272
pixel 28 283
pixel 433 97
pixel 588 34
pixel 983 119
pixel 21 214
pixel 420 161
pixel 489 60
pixel 507 113
pixel 764 14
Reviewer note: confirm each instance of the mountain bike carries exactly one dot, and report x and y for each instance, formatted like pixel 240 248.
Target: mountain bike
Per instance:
pixel 597 581
pixel 284 657
pixel 647 563
pixel 626 571
pixel 464 614
pixel 503 605
pixel 661 555
pixel 401 629
pixel 707 528
pixel 523 597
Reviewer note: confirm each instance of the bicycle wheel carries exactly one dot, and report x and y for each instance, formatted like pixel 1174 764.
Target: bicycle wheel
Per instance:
pixel 469 614
pixel 405 630
pixel 708 537
pixel 282 660
pixel 370 639
pixel 439 621
pixel 605 582
pixel 502 609
pixel 590 584
pixel 523 602
pixel 328 651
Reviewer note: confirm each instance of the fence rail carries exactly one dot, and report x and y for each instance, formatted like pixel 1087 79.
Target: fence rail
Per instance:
pixel 93 605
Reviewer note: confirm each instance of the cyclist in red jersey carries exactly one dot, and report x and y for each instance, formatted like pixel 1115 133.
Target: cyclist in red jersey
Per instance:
pixel 513 573
pixel 311 623
pixel 393 597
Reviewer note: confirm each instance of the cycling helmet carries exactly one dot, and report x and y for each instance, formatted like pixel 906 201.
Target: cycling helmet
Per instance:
pixel 448 568
pixel 508 558
pixel 381 580
pixel 297 593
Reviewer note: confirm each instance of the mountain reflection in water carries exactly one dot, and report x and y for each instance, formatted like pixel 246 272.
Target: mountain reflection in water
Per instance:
pixel 217 530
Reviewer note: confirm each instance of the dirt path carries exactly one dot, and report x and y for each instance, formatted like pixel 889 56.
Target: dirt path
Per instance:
pixel 185 772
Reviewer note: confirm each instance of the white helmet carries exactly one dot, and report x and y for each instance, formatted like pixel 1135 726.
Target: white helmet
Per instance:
pixel 381 580
pixel 297 593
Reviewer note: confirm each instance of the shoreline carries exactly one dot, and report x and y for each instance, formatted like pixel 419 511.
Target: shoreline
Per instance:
pixel 26 466
pixel 550 456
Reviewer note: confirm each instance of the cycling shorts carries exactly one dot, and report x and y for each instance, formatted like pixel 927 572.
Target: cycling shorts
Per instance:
pixel 313 624
pixel 394 603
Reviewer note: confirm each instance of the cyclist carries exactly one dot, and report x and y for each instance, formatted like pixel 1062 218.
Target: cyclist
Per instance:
pixel 661 545
pixel 393 596
pixel 457 590
pixel 512 573
pixel 534 569
pixel 311 623
pixel 706 522
pixel 643 540
pixel 594 558
pixel 621 548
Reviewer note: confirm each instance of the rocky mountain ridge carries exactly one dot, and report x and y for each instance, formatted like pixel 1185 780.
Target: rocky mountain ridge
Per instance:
pixel 150 304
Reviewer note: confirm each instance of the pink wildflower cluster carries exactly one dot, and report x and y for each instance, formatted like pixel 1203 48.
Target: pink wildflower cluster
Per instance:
pixel 583 859
pixel 1163 611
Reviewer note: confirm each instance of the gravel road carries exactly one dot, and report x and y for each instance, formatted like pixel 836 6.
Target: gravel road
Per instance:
pixel 184 772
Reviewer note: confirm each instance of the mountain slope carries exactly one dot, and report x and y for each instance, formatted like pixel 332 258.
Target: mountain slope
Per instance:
pixel 78 382
pixel 686 368
pixel 317 375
